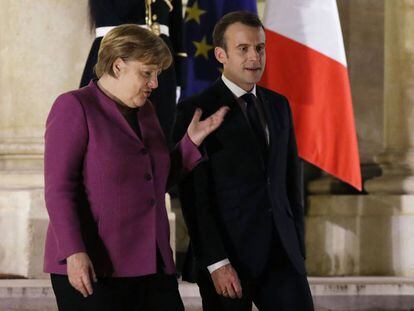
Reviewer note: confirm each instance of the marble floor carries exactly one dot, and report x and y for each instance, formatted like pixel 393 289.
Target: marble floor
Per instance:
pixel 330 294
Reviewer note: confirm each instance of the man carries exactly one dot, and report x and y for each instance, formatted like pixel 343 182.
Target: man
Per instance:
pixel 243 207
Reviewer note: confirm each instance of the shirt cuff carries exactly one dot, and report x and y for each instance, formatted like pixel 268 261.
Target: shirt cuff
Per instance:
pixel 215 266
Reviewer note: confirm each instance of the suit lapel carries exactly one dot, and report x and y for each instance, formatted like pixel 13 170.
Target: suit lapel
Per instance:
pixel 273 123
pixel 224 97
pixel 235 118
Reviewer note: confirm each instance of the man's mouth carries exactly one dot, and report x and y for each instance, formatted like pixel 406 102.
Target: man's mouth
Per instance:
pixel 253 69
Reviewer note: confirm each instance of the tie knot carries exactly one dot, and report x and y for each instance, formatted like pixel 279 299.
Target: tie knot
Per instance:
pixel 248 98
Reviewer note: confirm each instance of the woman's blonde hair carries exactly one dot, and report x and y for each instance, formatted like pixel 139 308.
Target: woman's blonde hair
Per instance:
pixel 131 42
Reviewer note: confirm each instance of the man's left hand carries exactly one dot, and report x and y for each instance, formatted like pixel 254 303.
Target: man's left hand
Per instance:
pixel 227 282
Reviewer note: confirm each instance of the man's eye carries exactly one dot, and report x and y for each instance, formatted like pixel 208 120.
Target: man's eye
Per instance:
pixel 243 49
pixel 260 49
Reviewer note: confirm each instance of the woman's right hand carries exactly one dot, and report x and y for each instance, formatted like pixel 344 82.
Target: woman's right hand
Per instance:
pixel 81 272
pixel 198 130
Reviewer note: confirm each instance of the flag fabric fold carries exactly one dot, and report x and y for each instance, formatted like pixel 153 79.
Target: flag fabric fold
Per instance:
pixel 306 62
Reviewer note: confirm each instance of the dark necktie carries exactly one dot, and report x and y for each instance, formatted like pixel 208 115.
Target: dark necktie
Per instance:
pixel 254 120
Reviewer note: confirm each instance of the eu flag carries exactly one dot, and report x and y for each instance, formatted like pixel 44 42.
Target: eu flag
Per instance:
pixel 200 18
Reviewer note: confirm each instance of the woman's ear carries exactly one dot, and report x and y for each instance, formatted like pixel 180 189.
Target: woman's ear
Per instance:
pixel 118 66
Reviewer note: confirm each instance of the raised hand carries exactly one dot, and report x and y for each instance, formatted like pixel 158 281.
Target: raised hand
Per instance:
pixel 199 130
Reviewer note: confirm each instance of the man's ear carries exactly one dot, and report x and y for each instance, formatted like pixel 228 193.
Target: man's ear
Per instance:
pixel 220 54
pixel 117 66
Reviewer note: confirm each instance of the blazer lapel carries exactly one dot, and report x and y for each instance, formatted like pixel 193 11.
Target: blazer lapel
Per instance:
pixel 152 134
pixel 112 111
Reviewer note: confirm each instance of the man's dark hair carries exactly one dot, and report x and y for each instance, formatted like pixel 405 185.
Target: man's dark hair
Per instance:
pixel 244 17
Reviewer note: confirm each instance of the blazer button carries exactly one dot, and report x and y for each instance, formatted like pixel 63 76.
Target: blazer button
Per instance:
pixel 268 181
pixel 151 202
pixel 147 177
pixel 144 151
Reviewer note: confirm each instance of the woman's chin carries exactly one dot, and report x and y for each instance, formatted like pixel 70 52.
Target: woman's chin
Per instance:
pixel 139 102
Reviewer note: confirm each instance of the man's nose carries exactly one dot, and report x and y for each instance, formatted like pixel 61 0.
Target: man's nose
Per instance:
pixel 254 54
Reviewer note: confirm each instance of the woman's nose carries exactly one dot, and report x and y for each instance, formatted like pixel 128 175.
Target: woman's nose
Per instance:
pixel 153 83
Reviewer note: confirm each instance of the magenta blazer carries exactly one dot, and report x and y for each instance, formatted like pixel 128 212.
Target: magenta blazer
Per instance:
pixel 105 187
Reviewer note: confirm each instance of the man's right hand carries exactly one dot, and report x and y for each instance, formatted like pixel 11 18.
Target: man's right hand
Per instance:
pixel 227 282
pixel 81 272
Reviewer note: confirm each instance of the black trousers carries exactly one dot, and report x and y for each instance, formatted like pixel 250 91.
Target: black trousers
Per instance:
pixel 156 292
pixel 279 288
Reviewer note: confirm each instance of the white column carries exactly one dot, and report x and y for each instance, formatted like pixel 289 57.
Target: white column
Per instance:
pixel 397 160
pixel 373 234
pixel 43 47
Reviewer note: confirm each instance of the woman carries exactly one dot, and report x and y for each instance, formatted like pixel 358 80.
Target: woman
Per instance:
pixel 107 167
pixel 167 14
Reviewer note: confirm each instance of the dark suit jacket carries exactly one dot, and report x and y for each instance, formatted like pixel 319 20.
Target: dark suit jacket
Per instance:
pixel 117 12
pixel 105 187
pixel 234 202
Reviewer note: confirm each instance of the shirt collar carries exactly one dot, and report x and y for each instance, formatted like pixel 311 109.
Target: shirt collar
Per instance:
pixel 235 89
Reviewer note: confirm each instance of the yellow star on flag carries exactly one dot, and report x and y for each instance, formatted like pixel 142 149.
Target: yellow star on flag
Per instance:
pixel 202 48
pixel 194 13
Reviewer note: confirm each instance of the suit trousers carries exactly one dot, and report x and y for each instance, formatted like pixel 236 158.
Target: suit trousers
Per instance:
pixel 279 288
pixel 156 292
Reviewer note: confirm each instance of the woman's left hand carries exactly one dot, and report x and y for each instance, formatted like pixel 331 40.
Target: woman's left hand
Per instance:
pixel 199 130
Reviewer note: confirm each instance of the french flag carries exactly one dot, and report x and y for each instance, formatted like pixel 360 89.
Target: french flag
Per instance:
pixel 306 62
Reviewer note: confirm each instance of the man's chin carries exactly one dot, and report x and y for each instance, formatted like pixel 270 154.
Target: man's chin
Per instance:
pixel 254 77
pixel 253 81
